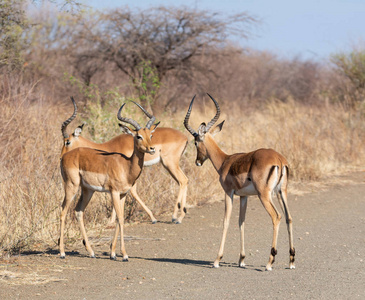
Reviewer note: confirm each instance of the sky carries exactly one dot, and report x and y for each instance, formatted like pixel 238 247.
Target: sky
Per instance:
pixel 311 29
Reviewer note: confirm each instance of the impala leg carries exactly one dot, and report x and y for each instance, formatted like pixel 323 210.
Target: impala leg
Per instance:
pixel 266 201
pixel 243 208
pixel 118 203
pixel 175 171
pixel 70 194
pixel 113 218
pixel 282 196
pixel 227 216
pixel 79 212
pixel 133 192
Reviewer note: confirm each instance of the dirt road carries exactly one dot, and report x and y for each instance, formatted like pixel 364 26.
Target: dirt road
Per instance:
pixel 169 261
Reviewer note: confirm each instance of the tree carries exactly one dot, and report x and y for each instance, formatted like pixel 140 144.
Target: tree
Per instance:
pixel 352 67
pixel 12 25
pixel 157 40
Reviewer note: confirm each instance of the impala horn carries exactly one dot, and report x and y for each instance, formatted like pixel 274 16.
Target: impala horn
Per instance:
pixel 69 120
pixel 216 117
pixel 152 118
pixel 187 117
pixel 128 120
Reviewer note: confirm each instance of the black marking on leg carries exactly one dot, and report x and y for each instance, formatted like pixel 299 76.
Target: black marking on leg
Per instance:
pixel 83 241
pixel 184 209
pixel 59 240
pixel 292 254
pixel 270 173
pixel 274 251
pixel 179 205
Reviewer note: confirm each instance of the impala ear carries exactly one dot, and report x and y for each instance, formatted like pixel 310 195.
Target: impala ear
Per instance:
pixel 217 129
pixel 201 129
pixel 78 130
pixel 126 129
pixel 155 126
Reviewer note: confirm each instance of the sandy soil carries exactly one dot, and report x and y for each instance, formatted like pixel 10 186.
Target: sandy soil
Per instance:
pixel 169 261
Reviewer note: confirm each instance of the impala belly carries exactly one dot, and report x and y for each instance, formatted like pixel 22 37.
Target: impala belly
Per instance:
pixel 94 181
pixel 94 187
pixel 247 190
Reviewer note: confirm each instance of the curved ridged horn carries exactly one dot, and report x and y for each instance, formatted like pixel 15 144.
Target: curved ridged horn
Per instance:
pixel 216 117
pixel 69 120
pixel 186 120
pixel 128 120
pixel 152 118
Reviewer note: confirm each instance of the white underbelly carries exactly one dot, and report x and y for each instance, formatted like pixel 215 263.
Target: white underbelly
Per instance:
pixel 94 187
pixel 248 190
pixel 151 162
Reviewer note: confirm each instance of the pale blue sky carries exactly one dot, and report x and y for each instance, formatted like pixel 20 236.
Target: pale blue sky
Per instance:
pixel 312 29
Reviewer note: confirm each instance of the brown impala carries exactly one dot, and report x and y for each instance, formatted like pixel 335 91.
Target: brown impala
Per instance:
pixel 101 171
pixel 169 143
pixel 260 172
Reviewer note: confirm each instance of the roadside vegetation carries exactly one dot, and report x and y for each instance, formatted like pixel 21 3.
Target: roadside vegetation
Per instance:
pixel 312 112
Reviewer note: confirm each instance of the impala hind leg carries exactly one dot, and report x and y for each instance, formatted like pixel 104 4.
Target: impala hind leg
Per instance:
pixel 172 166
pixel 227 216
pixel 282 197
pixel 79 212
pixel 133 192
pixel 70 194
pixel 266 201
pixel 118 203
pixel 243 208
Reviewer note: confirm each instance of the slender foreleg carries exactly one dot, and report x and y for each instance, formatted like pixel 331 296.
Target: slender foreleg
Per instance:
pixel 227 216
pixel 243 208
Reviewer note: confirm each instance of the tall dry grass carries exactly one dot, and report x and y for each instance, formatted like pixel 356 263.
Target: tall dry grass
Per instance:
pixel 316 141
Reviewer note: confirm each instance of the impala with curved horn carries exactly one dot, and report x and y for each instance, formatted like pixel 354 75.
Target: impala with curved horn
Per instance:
pixel 260 172
pixel 170 144
pixel 101 171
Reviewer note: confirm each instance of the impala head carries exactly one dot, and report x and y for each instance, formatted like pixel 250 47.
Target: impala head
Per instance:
pixel 204 131
pixel 142 136
pixel 71 141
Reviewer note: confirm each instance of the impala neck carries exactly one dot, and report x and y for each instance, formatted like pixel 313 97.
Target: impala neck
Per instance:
pixel 215 154
pixel 137 160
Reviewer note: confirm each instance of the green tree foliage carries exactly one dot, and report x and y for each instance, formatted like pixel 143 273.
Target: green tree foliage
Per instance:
pixel 352 66
pixel 12 26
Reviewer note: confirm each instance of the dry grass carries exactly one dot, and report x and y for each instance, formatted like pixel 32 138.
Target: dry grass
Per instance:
pixel 316 141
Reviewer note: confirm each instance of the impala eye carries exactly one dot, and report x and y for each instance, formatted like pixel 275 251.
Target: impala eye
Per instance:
pixel 68 143
pixel 139 137
pixel 196 144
